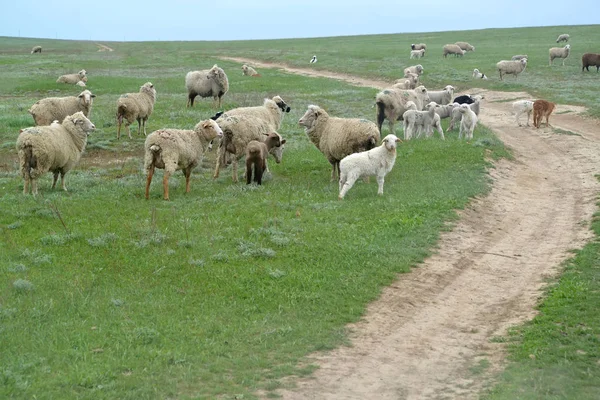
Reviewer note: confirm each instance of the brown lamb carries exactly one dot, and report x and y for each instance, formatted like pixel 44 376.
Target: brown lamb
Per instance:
pixel 256 156
pixel 541 109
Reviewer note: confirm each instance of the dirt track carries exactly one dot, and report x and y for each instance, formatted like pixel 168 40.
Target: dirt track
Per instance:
pixel 421 339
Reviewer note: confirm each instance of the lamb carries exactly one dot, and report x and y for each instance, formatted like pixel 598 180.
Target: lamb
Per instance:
pixel 475 106
pixel 563 38
pixel 521 107
pixel 590 59
pixel 418 46
pixel 559 52
pixel 256 156
pixel 73 78
pixel 378 161
pixel 249 71
pixel 81 84
pixel 391 104
pixel 467 122
pixel 444 111
pixel 177 149
pixel 508 67
pixel 519 57
pixel 57 108
pixel 207 83
pixel 419 121
pixel 541 109
pixel 136 106
pixel 417 53
pixel 410 81
pixel 442 96
pixel 338 137
pixel 479 75
pixel 56 148
pixel 36 49
pixel 465 46
pixel 414 69
pixel 453 49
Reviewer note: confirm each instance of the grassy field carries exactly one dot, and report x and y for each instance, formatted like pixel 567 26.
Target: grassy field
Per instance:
pixel 223 291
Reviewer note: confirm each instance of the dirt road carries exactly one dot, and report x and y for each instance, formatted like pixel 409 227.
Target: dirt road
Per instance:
pixel 424 336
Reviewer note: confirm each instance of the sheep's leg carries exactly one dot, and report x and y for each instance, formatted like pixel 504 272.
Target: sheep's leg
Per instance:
pixel 188 173
pixel 34 189
pixel 139 120
pixel 144 125
pixel 149 180
pixel 128 131
pixel 380 179
pixel 528 115
pixel 440 131
pixel 517 115
pixel 166 185
pixel 55 179
pixel 118 129
pixel 218 164
pixel 234 168
pixel 62 181
pixel 26 185
pixel 333 168
pixel 351 178
pixel 248 172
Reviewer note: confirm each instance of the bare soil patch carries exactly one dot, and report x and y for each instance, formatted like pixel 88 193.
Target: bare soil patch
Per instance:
pixel 433 326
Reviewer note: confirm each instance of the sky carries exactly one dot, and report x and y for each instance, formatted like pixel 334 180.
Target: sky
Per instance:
pixel 134 20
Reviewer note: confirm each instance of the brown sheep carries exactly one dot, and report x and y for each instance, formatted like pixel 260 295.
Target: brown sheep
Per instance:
pixel 256 155
pixel 541 109
pixel 590 59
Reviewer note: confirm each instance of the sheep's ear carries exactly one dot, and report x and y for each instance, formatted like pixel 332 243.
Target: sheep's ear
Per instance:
pixel 76 120
pixel 283 141
pixel 266 134
pixel 206 124
pixel 93 95
pixel 398 140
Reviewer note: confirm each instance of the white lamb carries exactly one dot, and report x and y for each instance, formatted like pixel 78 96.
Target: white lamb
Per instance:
pixel 467 122
pixel 522 107
pixel 417 53
pixel 479 75
pixel 417 122
pixel 442 96
pixel 378 162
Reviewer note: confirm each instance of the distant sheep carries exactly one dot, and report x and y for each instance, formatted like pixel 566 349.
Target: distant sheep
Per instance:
pixel 249 71
pixel 453 49
pixel 479 75
pixel 509 67
pixel 590 60
pixel 378 162
pixel 73 78
pixel 56 148
pixel 391 104
pixel 81 84
pixel 521 107
pixel 417 53
pixel 559 52
pixel 256 156
pixel 467 122
pixel 541 109
pixel 563 38
pixel 442 96
pixel 409 81
pixel 519 57
pixel 36 49
pixel 58 108
pixel 418 46
pixel 465 46
pixel 207 83
pixel 136 107
pixel 414 69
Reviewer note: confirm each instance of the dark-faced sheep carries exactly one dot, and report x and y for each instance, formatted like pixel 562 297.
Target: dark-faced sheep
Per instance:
pixel 590 60
pixel 36 49
pixel 207 83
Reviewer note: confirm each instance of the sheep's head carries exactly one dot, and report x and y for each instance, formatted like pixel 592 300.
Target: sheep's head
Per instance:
pixel 419 69
pixel 568 46
pixel 410 105
pixel 281 104
pixel 148 87
pixel 276 145
pixel 209 129
pixel 450 89
pixel 422 93
pixel 309 119
pixel 82 73
pixel 523 62
pixel 463 108
pixel 429 106
pixel 86 97
pixel 80 120
pixel 390 142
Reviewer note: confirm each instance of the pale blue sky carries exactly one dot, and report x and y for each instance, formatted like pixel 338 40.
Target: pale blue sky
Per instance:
pixel 133 20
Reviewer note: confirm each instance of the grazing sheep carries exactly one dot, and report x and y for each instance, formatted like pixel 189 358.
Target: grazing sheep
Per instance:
pixel 521 107
pixel 417 122
pixel 391 104
pixel 36 49
pixel 590 60
pixel 136 107
pixel 418 46
pixel 256 156
pixel 414 69
pixel 442 96
pixel 465 46
pixel 207 83
pixel 453 49
pixel 409 81
pixel 479 75
pixel 559 52
pixel 541 109
pixel 519 57
pixel 177 149
pixel 73 78
pixel 56 148
pixel 508 67
pixel 313 59
pixel 417 53
pixel 378 162
pixel 249 71
pixel 57 108
pixel 467 122
pixel 338 137
pixel 563 38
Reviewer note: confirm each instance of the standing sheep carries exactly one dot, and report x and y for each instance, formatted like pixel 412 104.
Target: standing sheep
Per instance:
pixel 73 78
pixel 475 106
pixel 467 122
pixel 36 49
pixel 442 96
pixel 521 107
pixel 391 104
pixel 590 60
pixel 378 161
pixel 249 71
pixel 417 53
pixel 541 109
pixel 563 38
pixel 56 148
pixel 559 52
pixel 453 49
pixel 508 67
pixel 442 111
pixel 418 46
pixel 417 122
pixel 207 83
pixel 136 107
pixel 465 46
pixel 57 108
pixel 176 149
pixel 519 57
pixel 338 137
pixel 256 156
pixel 414 69
pixel 479 75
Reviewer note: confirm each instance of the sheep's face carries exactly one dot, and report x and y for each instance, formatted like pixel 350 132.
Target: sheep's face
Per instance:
pixel 422 93
pixel 309 119
pixel 277 151
pixel 211 129
pixel 281 104
pixel 86 97
pixel 463 108
pixel 81 120
pixel 390 142
pixel 410 105
pixel 568 46
pixel 429 106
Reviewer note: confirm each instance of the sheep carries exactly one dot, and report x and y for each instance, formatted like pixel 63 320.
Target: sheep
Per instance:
pixel 391 104
pixel 414 69
pixel 409 81
pixel 541 109
pixel 521 107
pixel 465 46
pixel 479 75
pixel 559 52
pixel 418 46
pixel 419 121
pixel 36 49
pixel 563 38
pixel 508 67
pixel 444 111
pixel 207 83
pixel 73 78
pixel 177 149
pixel 338 137
pixel 249 71
pixel 519 57
pixel 57 108
pixel 475 106
pixel 442 96
pixel 56 148
pixel 378 161
pixel 136 106
pixel 256 156
pixel 467 122
pixel 453 49
pixel 81 84
pixel 590 59
pixel 417 53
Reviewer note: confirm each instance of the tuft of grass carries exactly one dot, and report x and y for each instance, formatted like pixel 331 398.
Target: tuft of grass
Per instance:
pixel 22 285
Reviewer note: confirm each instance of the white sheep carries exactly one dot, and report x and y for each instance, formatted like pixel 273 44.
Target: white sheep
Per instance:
pixel 391 104
pixel 452 49
pixel 417 53
pixel 475 107
pixel 443 111
pixel 521 107
pixel 136 107
pixel 378 162
pixel 465 46
pixel 56 148
pixel 467 122
pixel 479 75
pixel 36 49
pixel 57 108
pixel 257 153
pixel 417 122
pixel 249 71
pixel 177 149
pixel 207 83
pixel 519 57
pixel 338 137
pixel 409 81
pixel 81 84
pixel 559 52
pixel 73 78
pixel 563 38
pixel 442 96
pixel 414 69
pixel 510 67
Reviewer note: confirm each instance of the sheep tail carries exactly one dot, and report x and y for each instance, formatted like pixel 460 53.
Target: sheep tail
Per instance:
pixel 380 114
pixel 120 112
pixel 30 159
